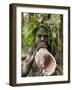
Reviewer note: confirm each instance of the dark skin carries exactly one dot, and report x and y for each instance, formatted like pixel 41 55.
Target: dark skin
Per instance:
pixel 41 42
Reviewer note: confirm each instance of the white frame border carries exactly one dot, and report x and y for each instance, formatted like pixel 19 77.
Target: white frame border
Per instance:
pixel 63 77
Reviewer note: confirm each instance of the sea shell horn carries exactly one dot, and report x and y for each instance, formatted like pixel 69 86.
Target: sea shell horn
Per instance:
pixel 46 61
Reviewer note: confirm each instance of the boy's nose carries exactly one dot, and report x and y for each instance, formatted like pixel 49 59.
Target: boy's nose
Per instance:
pixel 42 38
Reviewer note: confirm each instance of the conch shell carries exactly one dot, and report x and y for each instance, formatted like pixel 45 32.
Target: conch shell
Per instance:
pixel 45 61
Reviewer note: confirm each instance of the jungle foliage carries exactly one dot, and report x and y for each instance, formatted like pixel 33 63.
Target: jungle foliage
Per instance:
pixel 30 24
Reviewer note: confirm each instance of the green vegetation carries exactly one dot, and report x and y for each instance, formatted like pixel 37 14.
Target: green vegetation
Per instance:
pixel 30 25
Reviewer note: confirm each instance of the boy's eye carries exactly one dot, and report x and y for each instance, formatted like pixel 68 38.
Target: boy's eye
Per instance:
pixel 45 36
pixel 39 36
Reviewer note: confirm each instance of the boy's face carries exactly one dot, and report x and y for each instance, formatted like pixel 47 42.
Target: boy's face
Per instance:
pixel 42 36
